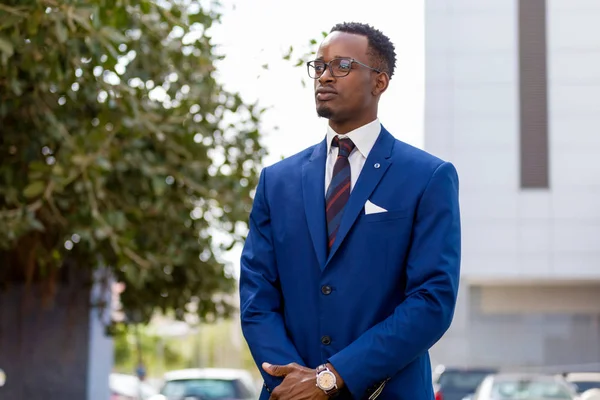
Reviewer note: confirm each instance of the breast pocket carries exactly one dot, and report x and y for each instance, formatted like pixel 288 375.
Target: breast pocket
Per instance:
pixel 386 216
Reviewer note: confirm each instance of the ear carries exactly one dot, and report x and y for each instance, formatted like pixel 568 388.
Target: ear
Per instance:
pixel 382 81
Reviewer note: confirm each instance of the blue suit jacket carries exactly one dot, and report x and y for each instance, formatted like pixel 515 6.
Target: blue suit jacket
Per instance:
pixel 393 276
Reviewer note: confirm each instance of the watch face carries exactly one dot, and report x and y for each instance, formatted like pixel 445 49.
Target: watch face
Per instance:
pixel 326 380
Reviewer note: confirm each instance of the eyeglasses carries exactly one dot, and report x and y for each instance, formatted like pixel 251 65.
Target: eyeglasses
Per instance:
pixel 338 67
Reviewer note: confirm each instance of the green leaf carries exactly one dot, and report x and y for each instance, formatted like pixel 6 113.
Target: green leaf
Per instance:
pixel 61 32
pixel 159 185
pixel 116 219
pixel 288 55
pixel 103 163
pixel 82 17
pixel 111 50
pixel 9 21
pixel 6 46
pixel 80 159
pixel 34 189
pixel 38 166
pixel 146 6
pixel 33 22
pixel 15 85
pixel 113 35
pixel 37 225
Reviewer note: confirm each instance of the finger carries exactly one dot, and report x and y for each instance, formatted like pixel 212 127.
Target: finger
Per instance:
pixel 268 368
pixel 275 370
pixel 275 395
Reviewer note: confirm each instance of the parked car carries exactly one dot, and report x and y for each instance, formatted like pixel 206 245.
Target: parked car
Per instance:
pixel 524 387
pixel 129 387
pixel 583 380
pixel 208 384
pixel 457 383
pixel 590 394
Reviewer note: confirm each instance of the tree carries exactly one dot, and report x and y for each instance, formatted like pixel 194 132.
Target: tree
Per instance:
pixel 159 354
pixel 120 149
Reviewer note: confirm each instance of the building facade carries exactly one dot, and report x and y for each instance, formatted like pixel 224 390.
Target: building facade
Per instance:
pixel 513 100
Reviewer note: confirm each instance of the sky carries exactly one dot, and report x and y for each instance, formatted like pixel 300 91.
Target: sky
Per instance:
pixel 258 32
pixel 254 33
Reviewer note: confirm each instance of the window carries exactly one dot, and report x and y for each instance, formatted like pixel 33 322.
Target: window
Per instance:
pixel 209 389
pixel 533 94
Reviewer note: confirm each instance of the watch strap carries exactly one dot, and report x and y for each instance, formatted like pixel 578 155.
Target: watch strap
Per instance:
pixel 321 368
pixel 334 391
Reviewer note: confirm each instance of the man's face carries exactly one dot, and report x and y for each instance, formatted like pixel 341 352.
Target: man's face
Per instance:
pixel 348 98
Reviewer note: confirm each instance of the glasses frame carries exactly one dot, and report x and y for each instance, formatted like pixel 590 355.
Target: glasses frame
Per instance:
pixel 309 65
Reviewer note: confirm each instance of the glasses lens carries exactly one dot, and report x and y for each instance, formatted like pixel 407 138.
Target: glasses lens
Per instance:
pixel 341 66
pixel 316 69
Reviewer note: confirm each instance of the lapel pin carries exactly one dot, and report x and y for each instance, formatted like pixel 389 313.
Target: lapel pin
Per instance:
pixel 377 165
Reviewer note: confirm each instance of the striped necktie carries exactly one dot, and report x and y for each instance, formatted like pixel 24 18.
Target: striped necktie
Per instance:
pixel 339 188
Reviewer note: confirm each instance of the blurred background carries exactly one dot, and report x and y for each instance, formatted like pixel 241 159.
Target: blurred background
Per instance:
pixel 132 134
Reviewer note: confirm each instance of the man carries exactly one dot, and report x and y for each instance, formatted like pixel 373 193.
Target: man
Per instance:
pixel 350 270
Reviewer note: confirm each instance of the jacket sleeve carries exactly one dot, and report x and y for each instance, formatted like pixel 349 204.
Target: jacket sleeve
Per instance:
pixel 261 303
pixel 432 277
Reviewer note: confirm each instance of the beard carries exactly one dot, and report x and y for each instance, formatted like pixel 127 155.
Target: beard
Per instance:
pixel 324 112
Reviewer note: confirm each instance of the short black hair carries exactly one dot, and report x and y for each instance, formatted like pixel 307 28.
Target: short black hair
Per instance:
pixel 381 47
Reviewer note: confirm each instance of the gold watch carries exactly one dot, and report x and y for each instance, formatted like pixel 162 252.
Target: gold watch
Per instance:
pixel 326 380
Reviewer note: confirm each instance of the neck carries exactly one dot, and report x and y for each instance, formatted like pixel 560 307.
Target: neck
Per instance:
pixel 343 126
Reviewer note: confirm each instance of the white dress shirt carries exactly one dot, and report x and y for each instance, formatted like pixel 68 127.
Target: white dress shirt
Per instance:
pixel 364 138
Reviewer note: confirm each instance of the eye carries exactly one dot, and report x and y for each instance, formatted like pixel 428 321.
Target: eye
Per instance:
pixel 318 66
pixel 345 65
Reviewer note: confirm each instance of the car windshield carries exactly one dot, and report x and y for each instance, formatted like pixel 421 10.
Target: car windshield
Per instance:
pixel 206 389
pixel 582 386
pixel 462 380
pixel 529 389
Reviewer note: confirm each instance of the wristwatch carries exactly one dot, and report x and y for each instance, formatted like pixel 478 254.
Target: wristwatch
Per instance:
pixel 326 380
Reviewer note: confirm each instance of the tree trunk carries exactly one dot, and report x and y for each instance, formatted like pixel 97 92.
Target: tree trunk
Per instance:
pixel 45 350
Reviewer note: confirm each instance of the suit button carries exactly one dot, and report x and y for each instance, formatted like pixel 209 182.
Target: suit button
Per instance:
pixel 326 290
pixel 326 340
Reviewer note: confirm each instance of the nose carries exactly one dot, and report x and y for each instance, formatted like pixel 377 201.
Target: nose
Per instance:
pixel 326 76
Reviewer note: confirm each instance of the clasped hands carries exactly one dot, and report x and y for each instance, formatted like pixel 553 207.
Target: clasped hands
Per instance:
pixel 299 383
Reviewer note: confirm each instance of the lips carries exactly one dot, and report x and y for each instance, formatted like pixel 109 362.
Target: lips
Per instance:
pixel 325 94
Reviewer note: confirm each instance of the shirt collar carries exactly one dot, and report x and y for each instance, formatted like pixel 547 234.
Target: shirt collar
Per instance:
pixel 364 137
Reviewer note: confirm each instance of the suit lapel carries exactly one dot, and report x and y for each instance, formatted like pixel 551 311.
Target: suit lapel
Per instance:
pixel 375 167
pixel 313 192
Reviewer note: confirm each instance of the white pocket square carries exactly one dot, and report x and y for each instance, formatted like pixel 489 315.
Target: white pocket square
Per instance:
pixel 371 208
